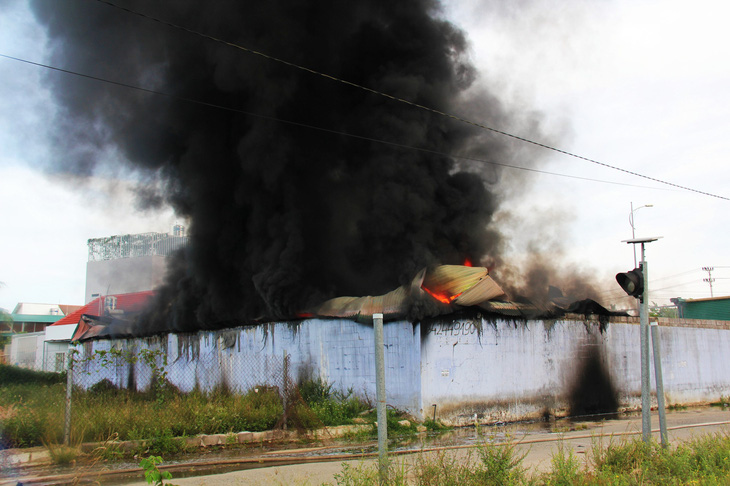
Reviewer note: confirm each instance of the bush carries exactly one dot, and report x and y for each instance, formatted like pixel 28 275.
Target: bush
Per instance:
pixel 329 406
pixel 102 387
pixel 315 391
pixel 164 443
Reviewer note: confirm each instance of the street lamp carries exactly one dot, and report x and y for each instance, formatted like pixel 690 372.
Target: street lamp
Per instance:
pixel 631 222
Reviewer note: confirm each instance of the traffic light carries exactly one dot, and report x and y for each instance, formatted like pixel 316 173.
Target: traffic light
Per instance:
pixel 632 282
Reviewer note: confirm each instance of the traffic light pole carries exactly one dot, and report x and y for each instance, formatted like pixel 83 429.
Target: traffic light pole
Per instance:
pixel 644 333
pixel 636 284
pixel 645 379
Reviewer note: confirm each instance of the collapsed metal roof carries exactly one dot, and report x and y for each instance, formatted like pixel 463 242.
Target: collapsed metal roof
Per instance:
pixel 434 291
pixel 445 288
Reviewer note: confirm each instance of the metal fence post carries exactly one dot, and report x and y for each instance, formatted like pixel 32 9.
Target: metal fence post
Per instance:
pixel 69 387
pixel 285 385
pixel 380 393
pixel 659 383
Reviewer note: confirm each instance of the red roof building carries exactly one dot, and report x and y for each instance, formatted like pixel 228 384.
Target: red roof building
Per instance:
pixel 114 305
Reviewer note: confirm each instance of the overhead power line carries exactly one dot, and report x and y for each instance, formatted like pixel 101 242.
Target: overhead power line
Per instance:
pixel 313 127
pixel 402 100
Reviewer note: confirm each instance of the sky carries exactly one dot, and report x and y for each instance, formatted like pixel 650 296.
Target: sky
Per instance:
pixel 639 85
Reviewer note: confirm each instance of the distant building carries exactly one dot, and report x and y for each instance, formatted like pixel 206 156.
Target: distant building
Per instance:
pixel 26 328
pixel 31 317
pixel 44 344
pixel 130 263
pixel 714 308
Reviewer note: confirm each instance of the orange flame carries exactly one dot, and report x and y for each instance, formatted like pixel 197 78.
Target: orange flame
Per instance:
pixel 304 315
pixel 441 297
pixel 467 262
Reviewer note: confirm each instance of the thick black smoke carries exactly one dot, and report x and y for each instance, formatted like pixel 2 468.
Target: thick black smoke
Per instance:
pixel 281 216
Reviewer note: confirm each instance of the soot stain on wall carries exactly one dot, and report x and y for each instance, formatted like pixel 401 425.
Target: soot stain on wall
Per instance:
pixel 592 391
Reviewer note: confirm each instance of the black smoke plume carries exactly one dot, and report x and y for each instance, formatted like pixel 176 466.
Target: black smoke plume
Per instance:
pixel 281 216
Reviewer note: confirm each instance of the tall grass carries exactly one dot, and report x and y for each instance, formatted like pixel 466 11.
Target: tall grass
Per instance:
pixel 702 461
pixel 33 413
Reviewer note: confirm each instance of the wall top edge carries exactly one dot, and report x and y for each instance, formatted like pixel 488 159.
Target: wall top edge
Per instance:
pixel 662 321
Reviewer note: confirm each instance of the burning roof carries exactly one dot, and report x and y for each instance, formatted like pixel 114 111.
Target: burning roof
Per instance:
pixel 451 286
pixel 434 291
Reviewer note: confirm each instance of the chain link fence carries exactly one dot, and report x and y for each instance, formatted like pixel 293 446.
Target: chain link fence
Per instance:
pixel 139 393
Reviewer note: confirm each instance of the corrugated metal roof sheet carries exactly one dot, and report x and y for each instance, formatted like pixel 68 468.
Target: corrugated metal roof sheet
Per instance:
pixel 390 304
pixel 448 284
pixel 515 309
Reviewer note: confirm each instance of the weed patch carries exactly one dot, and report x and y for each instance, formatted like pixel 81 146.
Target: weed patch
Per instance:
pixel 702 461
pixel 328 406
pixel 63 454
pixel 435 426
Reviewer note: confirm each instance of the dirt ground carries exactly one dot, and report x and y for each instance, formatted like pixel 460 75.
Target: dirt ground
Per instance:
pixel 537 443
pixel 682 425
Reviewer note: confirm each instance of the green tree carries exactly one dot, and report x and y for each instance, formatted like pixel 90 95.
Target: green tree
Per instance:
pixel 656 310
pixel 5 321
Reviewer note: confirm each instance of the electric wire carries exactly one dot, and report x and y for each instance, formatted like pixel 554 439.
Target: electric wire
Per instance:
pixel 673 276
pixel 321 129
pixel 402 100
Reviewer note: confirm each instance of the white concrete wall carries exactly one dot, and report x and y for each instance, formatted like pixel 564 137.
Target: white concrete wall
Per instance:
pixel 512 371
pixel 695 365
pixel 339 351
pixel 26 350
pixel 498 370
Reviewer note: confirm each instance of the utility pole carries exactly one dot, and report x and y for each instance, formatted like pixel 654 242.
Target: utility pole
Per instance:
pixel 709 278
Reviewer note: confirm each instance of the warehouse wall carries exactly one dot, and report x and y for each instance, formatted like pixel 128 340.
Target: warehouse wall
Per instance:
pixel 338 351
pixel 505 371
pixel 498 370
